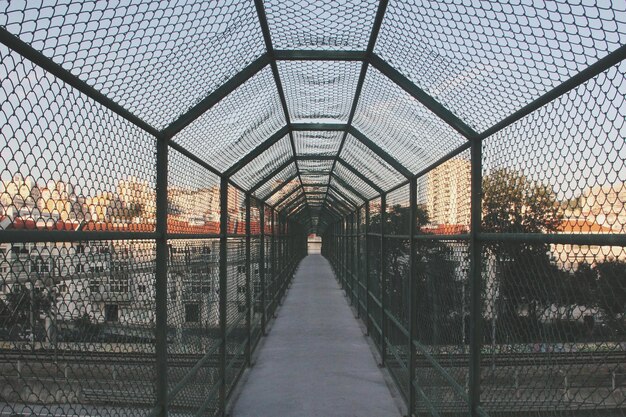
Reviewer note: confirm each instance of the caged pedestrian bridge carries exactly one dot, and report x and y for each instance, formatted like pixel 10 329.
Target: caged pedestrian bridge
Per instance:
pixel 163 165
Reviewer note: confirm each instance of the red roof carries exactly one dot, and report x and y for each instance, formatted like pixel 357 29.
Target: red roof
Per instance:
pixel 582 226
pixel 31 224
pixel 445 229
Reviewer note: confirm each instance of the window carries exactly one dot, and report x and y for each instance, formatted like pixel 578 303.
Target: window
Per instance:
pixel 80 249
pixel 111 312
pixel 80 268
pixel 192 313
pixel 141 288
pixel 40 265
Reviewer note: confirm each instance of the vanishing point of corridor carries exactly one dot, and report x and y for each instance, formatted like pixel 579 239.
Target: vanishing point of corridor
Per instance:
pixel 315 360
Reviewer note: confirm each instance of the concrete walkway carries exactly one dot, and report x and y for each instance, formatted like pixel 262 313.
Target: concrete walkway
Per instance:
pixel 315 360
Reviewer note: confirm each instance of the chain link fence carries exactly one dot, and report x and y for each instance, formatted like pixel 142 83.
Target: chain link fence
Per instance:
pixel 161 164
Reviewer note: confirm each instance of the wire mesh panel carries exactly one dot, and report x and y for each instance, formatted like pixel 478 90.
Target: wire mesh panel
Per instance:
pixel 236 309
pixel 354 181
pixel 67 162
pixel 68 306
pixel 552 329
pixel 264 164
pixel 442 325
pixel 484 60
pixel 133 52
pixel 374 276
pixel 319 91
pixel 283 176
pixel 238 123
pixel 317 143
pixel 396 284
pixel 313 169
pixel 193 197
pixel 193 323
pixel 255 269
pixel 67 310
pixel 357 155
pixel 345 191
pixel 362 267
pixel 312 25
pixel 402 126
pixel 443 197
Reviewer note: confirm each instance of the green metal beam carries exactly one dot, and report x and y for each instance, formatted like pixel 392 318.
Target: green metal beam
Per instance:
pixel 393 162
pixel 341 194
pixel 359 175
pixel 287 195
pixel 262 147
pixel 280 187
pixel 312 55
pixel 315 157
pixel 293 198
pixel 267 37
pixel 216 96
pixel 583 76
pixel 421 96
pixel 321 127
pixel 292 208
pixel 297 200
pixel 270 175
pixel 348 186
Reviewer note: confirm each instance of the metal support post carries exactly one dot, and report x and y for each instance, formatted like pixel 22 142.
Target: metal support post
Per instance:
pixel 358 263
pixel 223 290
pixel 475 278
pixel 161 278
pixel 248 286
pixel 262 266
pixel 412 291
pixel 383 280
pixel 367 270
pixel 272 259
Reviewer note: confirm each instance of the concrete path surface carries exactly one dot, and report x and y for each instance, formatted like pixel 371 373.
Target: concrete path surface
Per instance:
pixel 315 360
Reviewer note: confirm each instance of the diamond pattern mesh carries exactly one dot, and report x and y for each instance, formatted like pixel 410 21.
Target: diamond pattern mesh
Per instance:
pixel 402 126
pixel 85 277
pixel 237 124
pixel 65 160
pixel 264 190
pixel 132 52
pixel 483 60
pixel 265 163
pixel 319 91
pixel 320 25
pixel 371 165
pixel 355 182
pixel 346 192
pixel 317 142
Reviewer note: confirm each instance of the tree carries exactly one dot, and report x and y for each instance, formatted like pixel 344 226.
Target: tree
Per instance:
pixel 438 291
pixel 525 273
pixel 611 293
pixel 24 307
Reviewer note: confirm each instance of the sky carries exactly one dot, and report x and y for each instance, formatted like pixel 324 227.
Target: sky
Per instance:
pixel 481 60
